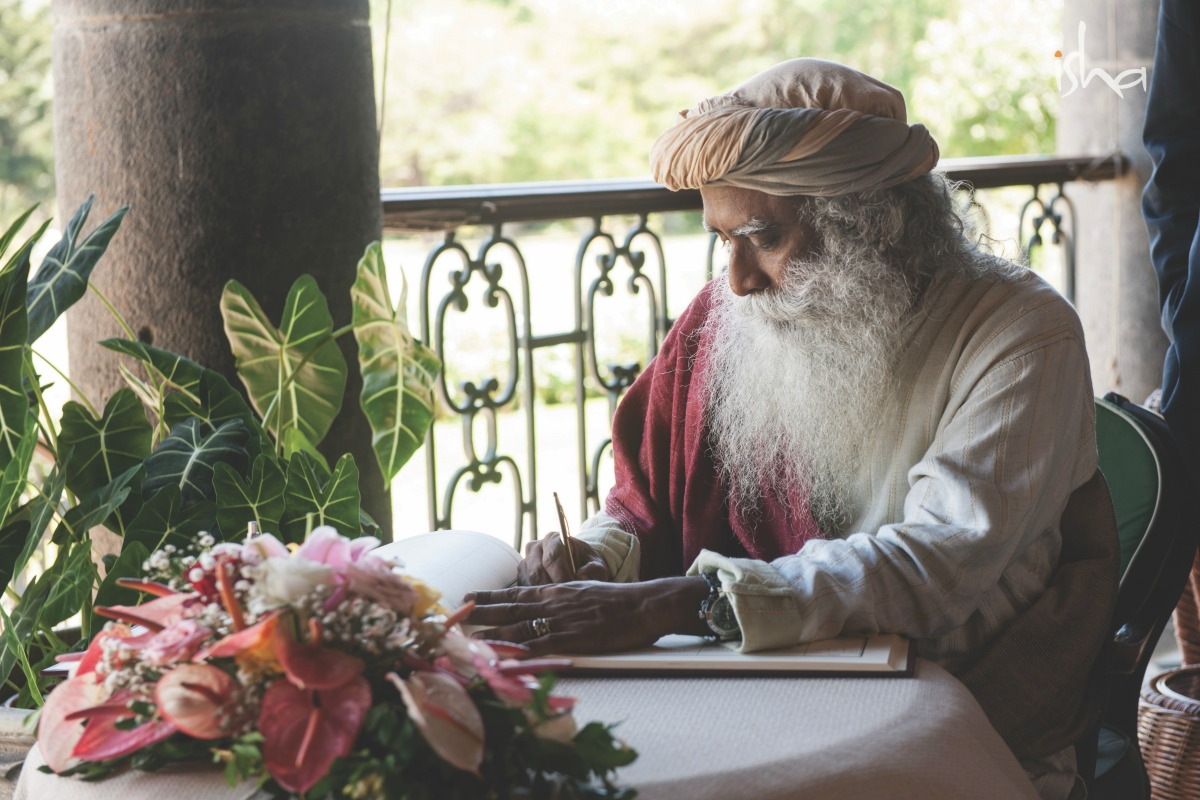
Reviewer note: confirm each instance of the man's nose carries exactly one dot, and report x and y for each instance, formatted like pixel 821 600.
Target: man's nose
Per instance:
pixel 746 275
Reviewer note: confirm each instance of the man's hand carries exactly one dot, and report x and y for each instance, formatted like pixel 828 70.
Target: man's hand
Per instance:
pixel 546 562
pixel 589 616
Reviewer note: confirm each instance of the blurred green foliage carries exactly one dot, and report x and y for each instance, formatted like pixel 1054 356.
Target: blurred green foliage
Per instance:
pixel 26 129
pixel 491 91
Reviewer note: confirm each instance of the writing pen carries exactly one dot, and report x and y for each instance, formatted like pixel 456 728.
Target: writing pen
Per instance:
pixel 566 533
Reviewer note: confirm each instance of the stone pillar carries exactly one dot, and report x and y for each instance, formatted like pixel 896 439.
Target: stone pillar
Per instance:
pixel 1116 291
pixel 242 135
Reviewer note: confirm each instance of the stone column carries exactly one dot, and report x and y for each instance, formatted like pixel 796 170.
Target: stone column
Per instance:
pixel 1116 290
pixel 242 135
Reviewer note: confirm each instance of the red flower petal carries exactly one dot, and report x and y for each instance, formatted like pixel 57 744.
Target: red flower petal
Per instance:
pixel 155 614
pixel 102 739
pixel 314 667
pixel 257 635
pixel 57 736
pixel 305 731
pixel 149 587
pixel 193 697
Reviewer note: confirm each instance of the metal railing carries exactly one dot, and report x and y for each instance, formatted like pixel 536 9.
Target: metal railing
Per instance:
pixel 498 212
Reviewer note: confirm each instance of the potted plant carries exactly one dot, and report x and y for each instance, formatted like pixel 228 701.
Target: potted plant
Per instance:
pixel 179 450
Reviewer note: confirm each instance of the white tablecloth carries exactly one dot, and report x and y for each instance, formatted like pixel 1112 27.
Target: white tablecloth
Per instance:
pixel 923 738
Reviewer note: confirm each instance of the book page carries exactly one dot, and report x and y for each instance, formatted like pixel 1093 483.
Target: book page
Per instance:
pixel 881 654
pixel 456 562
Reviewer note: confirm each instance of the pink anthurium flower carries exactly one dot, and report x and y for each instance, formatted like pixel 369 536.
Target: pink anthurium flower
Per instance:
pixel 102 739
pixel 57 736
pixel 444 713
pixel 198 699
pixel 156 614
pixel 260 634
pixel 304 731
pixel 310 666
pixel 175 643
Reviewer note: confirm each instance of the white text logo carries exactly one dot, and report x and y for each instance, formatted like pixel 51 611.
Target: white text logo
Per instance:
pixel 1074 65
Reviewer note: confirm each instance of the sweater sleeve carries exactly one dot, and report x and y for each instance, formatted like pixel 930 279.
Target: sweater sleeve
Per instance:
pixel 620 550
pixel 983 505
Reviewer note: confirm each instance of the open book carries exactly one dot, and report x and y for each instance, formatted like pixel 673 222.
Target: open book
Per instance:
pixel 457 562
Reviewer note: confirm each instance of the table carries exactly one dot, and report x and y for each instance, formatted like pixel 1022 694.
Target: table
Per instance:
pixel 923 738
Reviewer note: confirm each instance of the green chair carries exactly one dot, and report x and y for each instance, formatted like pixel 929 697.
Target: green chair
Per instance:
pixel 1155 508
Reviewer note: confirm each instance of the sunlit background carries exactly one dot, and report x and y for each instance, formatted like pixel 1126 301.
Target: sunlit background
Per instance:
pixel 493 91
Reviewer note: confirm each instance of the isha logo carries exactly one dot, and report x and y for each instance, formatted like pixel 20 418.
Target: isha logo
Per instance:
pixel 1075 68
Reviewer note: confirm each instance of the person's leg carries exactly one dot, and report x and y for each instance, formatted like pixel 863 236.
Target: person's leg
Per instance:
pixel 1171 206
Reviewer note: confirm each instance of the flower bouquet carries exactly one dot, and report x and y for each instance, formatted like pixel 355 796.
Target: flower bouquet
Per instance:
pixel 320 671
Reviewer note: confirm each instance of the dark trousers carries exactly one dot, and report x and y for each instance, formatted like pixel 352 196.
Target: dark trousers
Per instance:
pixel 1171 207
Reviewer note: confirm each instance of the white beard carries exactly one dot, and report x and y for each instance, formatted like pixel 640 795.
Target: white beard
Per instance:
pixel 798 378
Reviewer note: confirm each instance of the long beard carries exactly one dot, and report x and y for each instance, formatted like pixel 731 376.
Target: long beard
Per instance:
pixel 797 379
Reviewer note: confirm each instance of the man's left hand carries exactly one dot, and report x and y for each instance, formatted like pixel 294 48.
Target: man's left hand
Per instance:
pixel 590 616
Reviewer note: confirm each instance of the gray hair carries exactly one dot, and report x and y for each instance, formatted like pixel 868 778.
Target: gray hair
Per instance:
pixel 922 227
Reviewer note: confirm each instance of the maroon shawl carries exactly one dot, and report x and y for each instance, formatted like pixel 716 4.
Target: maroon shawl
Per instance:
pixel 668 492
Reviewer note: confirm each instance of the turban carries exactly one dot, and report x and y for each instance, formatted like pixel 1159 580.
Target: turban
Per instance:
pixel 805 126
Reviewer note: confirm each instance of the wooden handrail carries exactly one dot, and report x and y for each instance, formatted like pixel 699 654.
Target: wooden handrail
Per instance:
pixel 444 208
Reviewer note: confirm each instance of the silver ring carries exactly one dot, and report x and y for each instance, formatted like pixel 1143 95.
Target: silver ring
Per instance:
pixel 541 626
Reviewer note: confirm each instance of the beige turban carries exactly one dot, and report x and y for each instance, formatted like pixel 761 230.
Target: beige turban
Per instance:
pixel 805 126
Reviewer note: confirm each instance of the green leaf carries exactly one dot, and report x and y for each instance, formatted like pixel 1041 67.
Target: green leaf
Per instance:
pixel 20 259
pixel 41 510
pixel 398 370
pixel 240 501
pixel 294 441
pixel 106 447
pixel 71 586
pixel 16 472
pixel 188 456
pixel 13 643
pixel 14 327
pixel 10 234
pixel 24 620
pixel 97 506
pixel 295 374
pixel 13 538
pixel 165 520
pixel 597 746
pixel 127 565
pixel 181 388
pixel 334 501
pixel 63 276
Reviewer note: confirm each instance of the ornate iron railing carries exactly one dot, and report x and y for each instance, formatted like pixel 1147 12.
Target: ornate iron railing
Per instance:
pixel 635 256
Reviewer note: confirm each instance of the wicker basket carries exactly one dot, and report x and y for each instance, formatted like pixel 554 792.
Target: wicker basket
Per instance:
pixel 1187 618
pixel 1169 733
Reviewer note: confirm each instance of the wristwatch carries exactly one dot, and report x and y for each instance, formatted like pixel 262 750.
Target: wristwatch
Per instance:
pixel 717 610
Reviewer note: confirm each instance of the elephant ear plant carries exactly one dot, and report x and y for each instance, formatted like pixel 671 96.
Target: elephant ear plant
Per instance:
pixel 179 452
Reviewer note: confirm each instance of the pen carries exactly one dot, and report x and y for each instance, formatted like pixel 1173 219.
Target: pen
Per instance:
pixel 566 533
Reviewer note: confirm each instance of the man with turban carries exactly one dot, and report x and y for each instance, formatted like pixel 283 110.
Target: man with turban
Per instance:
pixel 869 424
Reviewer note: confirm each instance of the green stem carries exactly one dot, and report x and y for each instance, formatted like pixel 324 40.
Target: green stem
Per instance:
pixel 112 310
pixel 75 390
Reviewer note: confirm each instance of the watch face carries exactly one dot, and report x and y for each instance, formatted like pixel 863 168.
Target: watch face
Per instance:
pixel 723 618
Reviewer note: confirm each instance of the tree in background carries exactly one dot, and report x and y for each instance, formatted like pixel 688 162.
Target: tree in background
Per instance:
pixel 486 91
pixel 26 129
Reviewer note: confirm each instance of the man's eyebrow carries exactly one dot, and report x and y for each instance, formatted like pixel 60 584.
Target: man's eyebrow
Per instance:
pixel 752 227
